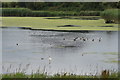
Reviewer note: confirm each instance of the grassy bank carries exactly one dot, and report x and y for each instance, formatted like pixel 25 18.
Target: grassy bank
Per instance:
pixel 44 23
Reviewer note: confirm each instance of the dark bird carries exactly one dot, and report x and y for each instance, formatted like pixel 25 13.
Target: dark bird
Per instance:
pixel 42 58
pixel 17 44
pixel 63 38
pixel 82 54
pixel 75 38
pixel 100 39
pixel 84 39
pixel 92 39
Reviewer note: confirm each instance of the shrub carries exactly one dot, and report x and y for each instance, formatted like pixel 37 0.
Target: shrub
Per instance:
pixel 111 15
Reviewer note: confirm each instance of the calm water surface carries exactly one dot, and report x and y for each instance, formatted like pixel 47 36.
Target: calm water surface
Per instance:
pixel 25 48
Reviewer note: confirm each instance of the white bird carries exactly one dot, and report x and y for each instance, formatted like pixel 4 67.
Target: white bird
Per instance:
pixel 49 59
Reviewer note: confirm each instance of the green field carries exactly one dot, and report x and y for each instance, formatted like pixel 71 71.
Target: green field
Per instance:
pixel 51 24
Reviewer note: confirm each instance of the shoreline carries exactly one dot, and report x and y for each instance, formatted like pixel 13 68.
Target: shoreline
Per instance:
pixel 29 28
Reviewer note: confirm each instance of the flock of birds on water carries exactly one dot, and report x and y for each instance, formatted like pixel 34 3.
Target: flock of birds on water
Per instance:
pixel 75 39
pixel 84 39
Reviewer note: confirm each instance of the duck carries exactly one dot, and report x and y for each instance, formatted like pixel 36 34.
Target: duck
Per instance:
pixel 17 44
pixel 63 38
pixel 75 39
pixel 42 58
pixel 84 39
pixel 100 39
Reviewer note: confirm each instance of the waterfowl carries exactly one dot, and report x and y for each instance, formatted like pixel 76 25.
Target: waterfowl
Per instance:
pixel 80 38
pixel 92 39
pixel 84 39
pixel 87 38
pixel 75 39
pixel 63 38
pixel 100 39
pixel 82 54
pixel 42 58
pixel 49 59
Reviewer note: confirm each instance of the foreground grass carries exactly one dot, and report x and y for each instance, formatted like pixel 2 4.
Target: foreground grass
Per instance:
pixel 42 23
pixel 64 75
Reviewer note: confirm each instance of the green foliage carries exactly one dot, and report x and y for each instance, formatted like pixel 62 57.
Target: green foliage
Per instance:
pixel 111 15
pixel 15 75
pixel 16 12
pixel 38 75
pixel 27 12
pixel 89 13
pixel 62 6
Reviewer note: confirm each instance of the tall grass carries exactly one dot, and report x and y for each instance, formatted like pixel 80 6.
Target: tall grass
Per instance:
pixel 16 12
pixel 27 12
pixel 111 15
pixel 42 73
pixel 64 75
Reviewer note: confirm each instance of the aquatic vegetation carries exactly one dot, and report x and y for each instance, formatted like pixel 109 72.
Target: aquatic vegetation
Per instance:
pixel 111 53
pixel 51 24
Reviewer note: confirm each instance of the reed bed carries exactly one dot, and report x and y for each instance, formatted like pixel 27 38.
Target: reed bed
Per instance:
pixel 42 73
pixel 23 12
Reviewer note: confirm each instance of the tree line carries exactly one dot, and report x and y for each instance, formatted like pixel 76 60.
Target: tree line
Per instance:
pixel 63 6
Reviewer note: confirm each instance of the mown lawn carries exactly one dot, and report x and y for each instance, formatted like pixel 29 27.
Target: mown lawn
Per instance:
pixel 42 23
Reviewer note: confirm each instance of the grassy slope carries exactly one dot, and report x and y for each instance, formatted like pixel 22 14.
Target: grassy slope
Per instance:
pixel 41 23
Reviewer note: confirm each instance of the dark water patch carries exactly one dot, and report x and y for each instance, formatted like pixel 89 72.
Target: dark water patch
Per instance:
pixel 46 35
pixel 69 46
pixel 82 31
pixel 106 26
pixel 27 28
pixel 69 26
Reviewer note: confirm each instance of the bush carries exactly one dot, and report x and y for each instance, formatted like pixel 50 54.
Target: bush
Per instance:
pixel 111 15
